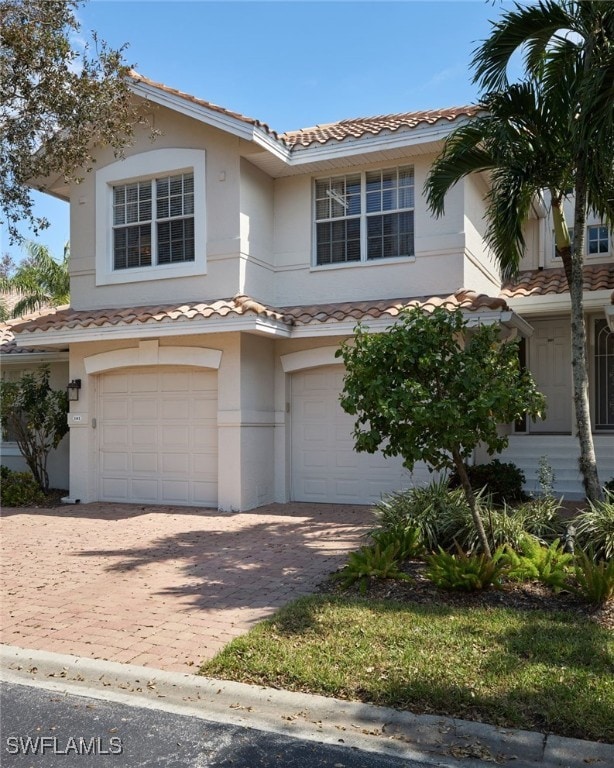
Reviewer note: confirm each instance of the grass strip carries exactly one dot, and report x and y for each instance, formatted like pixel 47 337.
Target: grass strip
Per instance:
pixel 539 670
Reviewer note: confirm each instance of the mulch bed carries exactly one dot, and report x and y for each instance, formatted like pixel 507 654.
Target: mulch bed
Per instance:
pixel 523 597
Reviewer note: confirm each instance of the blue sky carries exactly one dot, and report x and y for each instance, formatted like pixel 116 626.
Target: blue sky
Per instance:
pixel 293 64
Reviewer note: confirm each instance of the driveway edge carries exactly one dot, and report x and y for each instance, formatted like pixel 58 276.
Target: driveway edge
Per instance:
pixel 436 740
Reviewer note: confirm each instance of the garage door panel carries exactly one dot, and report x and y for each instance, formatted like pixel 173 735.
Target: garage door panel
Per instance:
pixel 146 408
pixel 325 466
pixel 145 489
pixel 145 434
pixel 165 448
pixel 175 382
pixel 114 409
pixel 144 462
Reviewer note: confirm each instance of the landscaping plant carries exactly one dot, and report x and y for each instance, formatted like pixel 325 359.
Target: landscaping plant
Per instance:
pixel 502 481
pixel 594 529
pixel 408 541
pixel 536 562
pixel 374 562
pixel 594 580
pixel 36 415
pixel 19 489
pixel 466 572
pixel 431 389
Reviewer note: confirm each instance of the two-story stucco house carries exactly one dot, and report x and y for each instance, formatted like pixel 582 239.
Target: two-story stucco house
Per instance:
pixel 215 271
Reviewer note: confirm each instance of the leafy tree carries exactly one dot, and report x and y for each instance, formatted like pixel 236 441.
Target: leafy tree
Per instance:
pixel 554 132
pixel 39 279
pixel 58 103
pixel 36 416
pixel 429 389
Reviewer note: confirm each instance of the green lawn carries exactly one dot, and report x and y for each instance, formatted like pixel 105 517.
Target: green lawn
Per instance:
pixel 544 671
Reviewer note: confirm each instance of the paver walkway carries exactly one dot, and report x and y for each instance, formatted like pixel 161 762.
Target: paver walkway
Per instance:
pixel 161 586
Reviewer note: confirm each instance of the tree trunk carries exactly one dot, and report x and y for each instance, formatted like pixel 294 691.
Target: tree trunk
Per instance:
pixel 573 262
pixel 469 495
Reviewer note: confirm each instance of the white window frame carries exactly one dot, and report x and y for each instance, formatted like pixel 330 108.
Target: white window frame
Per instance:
pixel 602 428
pixel 602 254
pixel 587 254
pixel 363 217
pixel 143 167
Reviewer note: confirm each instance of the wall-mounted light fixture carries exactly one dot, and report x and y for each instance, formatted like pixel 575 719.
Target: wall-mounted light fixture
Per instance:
pixel 72 390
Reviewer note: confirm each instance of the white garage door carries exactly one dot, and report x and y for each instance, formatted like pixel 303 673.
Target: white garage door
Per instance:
pixel 325 467
pixel 158 436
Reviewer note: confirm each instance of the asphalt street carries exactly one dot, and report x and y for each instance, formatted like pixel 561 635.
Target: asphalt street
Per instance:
pixel 47 729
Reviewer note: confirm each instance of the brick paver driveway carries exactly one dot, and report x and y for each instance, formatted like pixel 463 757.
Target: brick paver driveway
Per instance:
pixel 161 586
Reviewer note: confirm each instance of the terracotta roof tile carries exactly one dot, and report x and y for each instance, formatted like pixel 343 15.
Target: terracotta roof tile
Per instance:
pixel 463 299
pixel 320 134
pixel 202 103
pixel 66 317
pixel 361 126
pixel 7 333
pixel 240 305
pixel 541 282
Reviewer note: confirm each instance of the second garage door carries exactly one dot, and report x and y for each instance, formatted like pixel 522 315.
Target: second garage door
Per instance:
pixel 158 436
pixel 325 467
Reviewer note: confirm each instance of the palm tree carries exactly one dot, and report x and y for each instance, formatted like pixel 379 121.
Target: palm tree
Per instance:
pixel 40 280
pixel 566 141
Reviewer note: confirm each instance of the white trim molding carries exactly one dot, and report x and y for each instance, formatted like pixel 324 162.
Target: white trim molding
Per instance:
pixel 309 358
pixel 150 353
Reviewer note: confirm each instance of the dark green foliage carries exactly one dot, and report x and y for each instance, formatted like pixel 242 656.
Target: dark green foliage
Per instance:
pixel 594 529
pixel 467 573
pixel 536 562
pixel 407 540
pixel 375 562
pixel 427 509
pixel 594 580
pixel 36 415
pixel 429 386
pixel 502 481
pixel 609 486
pixel 19 489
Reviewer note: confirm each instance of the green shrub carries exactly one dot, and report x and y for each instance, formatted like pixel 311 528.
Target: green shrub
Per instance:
pixel 19 489
pixel 465 572
pixel 427 509
pixel 536 562
pixel 609 486
pixel 407 540
pixel 594 529
pixel 594 580
pixel 375 562
pixel 503 481
pixel 540 517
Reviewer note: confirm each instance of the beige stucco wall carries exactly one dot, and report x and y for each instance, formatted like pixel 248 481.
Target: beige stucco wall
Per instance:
pixel 58 465
pixel 437 268
pixel 481 272
pixel 222 219
pixel 257 278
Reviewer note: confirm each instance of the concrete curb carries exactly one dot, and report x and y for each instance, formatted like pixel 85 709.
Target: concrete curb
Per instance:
pixel 435 740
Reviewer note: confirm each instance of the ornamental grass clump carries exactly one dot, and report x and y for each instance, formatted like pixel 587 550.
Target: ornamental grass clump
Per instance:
pixel 594 529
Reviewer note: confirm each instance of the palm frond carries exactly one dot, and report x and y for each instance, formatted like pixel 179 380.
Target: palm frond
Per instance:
pixel 528 28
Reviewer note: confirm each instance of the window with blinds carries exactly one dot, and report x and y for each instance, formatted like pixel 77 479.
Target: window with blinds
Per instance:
pixel 364 216
pixel 153 222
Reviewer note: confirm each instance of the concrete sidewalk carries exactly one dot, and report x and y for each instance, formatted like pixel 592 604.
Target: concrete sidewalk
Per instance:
pixel 435 740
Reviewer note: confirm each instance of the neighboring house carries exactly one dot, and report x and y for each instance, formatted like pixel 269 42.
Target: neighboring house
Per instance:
pixel 17 360
pixel 215 271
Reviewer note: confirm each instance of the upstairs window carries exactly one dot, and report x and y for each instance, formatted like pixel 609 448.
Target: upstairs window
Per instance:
pixel 365 216
pixel 153 222
pixel 597 240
